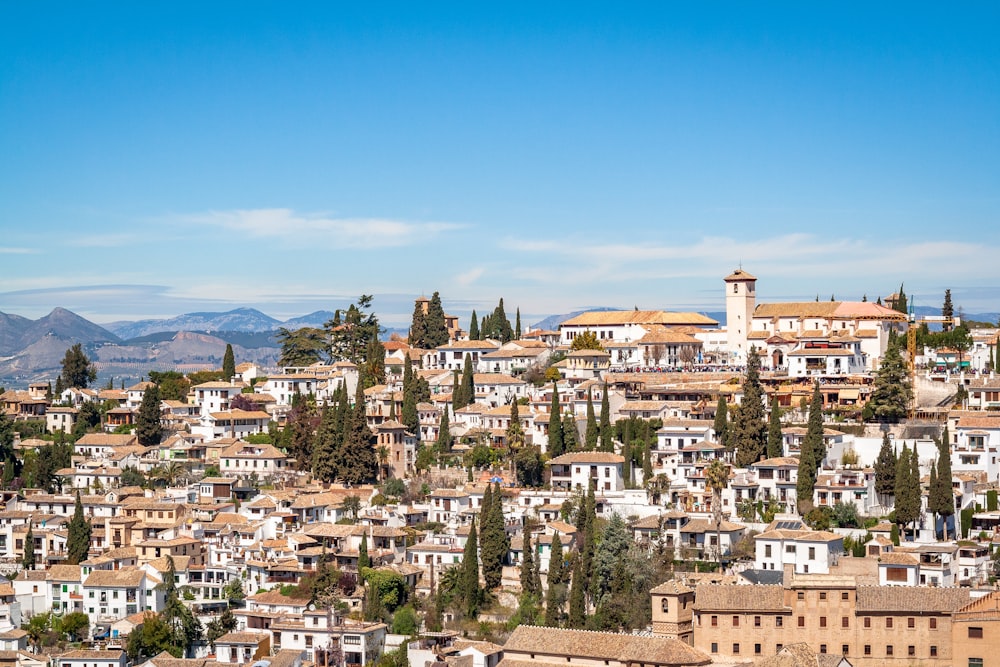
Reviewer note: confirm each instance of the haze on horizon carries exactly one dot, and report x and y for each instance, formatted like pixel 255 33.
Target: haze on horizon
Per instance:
pixel 165 159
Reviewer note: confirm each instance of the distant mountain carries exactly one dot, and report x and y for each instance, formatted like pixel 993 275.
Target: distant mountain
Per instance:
pixel 240 319
pixel 17 333
pixel 316 320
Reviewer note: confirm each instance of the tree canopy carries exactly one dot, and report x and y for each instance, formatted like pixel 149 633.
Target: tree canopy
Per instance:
pixel 77 369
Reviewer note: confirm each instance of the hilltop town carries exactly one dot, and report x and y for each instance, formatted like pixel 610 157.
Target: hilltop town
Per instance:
pixel 811 483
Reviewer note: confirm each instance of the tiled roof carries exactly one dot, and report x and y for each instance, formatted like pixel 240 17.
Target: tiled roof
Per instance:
pixel 602 645
pixel 622 317
pixel 587 457
pixel 910 599
pixel 730 597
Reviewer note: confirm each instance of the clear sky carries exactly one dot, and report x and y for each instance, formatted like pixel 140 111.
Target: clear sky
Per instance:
pixel 163 157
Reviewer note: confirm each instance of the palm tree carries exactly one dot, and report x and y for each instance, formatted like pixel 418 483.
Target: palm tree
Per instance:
pixel 716 479
pixel 656 487
pixel 169 473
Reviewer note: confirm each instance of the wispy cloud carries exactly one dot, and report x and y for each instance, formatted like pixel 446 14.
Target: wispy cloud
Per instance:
pixel 108 240
pixel 17 251
pixel 320 228
pixel 466 278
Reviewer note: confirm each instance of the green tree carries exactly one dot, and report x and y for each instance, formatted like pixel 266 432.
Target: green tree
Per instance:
pixel 586 341
pixel 357 461
pixel 748 430
pixel 613 548
pixel 578 598
pixel 443 444
pixel 78 535
pixel 555 595
pixel 28 560
pixel 466 387
pixel 77 369
pixel 11 464
pixel 515 430
pixel 892 392
pixel 417 337
pixel 74 625
pixel 717 479
pixel 363 560
pixel 327 443
pixel 947 311
pixel 885 470
pixel 373 363
pixel 173 385
pixel 907 488
pixel 607 445
pixel 469 591
pixel 555 446
pixel 812 452
pixel 473 327
pixel 228 363
pixel 721 425
pixel 528 572
pixel 151 638
pixel 225 623
pixel 591 433
pixel 900 304
pixel 775 447
pixel 301 347
pixel 436 328
pixel 570 433
pixel 945 506
pixel 529 467
pixel 517 325
pixel 410 416
pixel 148 429
pixel 185 628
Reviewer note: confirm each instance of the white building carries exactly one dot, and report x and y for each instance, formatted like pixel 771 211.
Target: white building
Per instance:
pixel 578 470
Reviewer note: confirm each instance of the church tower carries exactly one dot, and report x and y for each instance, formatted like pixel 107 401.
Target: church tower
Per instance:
pixel 741 298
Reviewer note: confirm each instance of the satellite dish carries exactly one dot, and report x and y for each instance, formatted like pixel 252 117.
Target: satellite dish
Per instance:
pixel 311 607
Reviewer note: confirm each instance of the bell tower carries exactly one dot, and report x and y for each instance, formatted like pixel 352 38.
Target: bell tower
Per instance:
pixel 741 298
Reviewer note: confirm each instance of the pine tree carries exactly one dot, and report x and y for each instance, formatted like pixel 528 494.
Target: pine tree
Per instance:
pixel 607 444
pixel 748 430
pixel 357 460
pixel 443 444
pixel 436 329
pixel 469 590
pixel 775 447
pixel 28 561
pixel 473 327
pixel 77 369
pixel 147 424
pixel 78 535
pixel 417 337
pixel 555 445
pixel 892 392
pixel 527 565
pixel 363 560
pixel 591 435
pixel 517 325
pixel 228 364
pixel 721 425
pixel 812 451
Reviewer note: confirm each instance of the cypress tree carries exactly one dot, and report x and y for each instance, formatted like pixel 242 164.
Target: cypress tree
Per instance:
pixel 907 488
pixel 327 444
pixel 443 444
pixel 517 325
pixel 774 444
pixel 28 561
pixel 627 465
pixel 749 428
pixel 473 326
pixel 436 329
pixel 946 508
pixel 78 537
pixel 469 579
pixel 577 598
pixel 147 424
pixel 410 416
pixel 885 470
pixel 515 431
pixel 527 565
pixel 417 337
pixel 468 382
pixel 933 496
pixel 812 451
pixel 495 544
pixel 571 436
pixel 483 332
pixel 457 402
pixel 228 364
pixel 555 445
pixel 647 461
pixel 363 560
pixel 947 311
pixel 358 463
pixel 591 436
pixel 553 594
pixel 607 445
pixel 721 425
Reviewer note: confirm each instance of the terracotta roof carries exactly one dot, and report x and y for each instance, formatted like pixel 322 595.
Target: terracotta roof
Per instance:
pixel 587 457
pixel 731 597
pixel 911 599
pixel 622 317
pixel 602 645
pixel 738 274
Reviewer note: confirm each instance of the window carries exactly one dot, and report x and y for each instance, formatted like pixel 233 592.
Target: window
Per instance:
pixel 802 621
pixel 736 621
pixel 822 621
pixel 911 622
pixel 975 662
pixel 822 594
pixel 868 622
pixel 715 621
pixel 911 650
pixel 888 622
pixel 736 649
pixel 888 650
pixel 822 648
pixel 779 622
pixel 845 621
pixel 756 621
pixel 933 651
pixel 845 649
pixel 975 633
pixel 868 649
pixel 756 649
pixel 845 596
pixel 933 624
pixel 800 595
pixel 767 551
pixel 715 647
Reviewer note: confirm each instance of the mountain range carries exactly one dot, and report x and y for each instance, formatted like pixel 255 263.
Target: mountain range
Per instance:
pixel 249 320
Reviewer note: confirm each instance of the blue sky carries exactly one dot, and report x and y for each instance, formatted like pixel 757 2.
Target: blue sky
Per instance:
pixel 159 158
